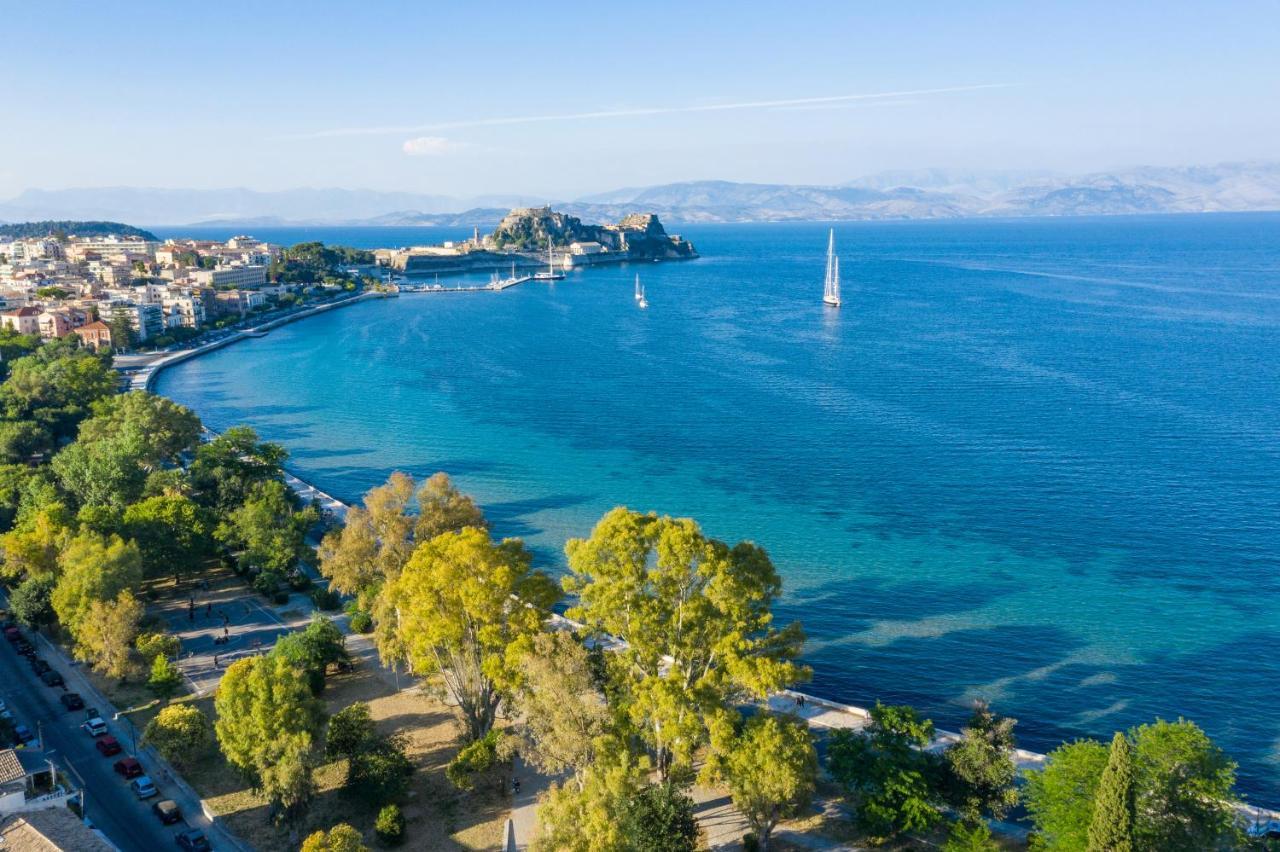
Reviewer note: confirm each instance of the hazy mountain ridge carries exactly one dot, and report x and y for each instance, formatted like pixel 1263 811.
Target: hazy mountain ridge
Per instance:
pixel 913 194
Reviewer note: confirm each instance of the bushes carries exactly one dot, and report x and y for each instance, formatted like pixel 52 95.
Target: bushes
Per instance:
pixel 361 621
pixel 325 598
pixel 390 826
pixel 481 758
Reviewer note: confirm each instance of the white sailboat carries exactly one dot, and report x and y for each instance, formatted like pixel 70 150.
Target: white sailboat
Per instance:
pixel 640 299
pixel 550 274
pixel 831 287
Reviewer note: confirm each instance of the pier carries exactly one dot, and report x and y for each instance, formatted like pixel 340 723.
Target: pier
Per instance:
pixel 497 285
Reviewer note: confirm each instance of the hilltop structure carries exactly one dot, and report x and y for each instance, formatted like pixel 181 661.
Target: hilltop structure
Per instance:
pixel 528 235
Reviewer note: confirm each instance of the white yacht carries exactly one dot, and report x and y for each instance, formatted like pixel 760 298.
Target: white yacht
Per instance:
pixel 831 287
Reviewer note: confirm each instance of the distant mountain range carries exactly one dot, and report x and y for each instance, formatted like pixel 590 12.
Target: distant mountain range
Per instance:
pixel 917 194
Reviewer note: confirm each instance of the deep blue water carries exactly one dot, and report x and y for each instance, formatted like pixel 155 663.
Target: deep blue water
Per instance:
pixel 1037 461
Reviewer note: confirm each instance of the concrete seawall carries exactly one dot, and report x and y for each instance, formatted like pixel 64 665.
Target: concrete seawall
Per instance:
pixel 145 377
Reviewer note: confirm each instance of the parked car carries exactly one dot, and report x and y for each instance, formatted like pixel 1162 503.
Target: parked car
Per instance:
pixel 23 735
pixel 167 811
pixel 95 726
pixel 71 700
pixel 144 787
pixel 129 767
pixel 52 678
pixel 193 840
pixel 108 746
pixel 25 648
pixel 39 666
pixel 13 634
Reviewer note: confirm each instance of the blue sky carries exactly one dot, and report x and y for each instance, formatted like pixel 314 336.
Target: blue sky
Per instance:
pixel 417 96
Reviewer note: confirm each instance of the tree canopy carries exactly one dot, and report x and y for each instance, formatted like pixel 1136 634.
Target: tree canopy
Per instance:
pixel 457 609
pixel 696 616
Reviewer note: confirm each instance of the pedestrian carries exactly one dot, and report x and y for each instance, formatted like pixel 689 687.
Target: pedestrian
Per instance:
pixel 515 786
pixel 215 662
pixel 208 611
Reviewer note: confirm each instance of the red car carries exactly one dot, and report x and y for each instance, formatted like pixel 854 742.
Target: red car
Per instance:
pixel 107 745
pixel 129 767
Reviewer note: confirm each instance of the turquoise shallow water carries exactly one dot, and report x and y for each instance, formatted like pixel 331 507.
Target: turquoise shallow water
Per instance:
pixel 1037 461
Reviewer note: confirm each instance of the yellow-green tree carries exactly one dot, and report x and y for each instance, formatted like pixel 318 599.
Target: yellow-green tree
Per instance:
pixel 565 714
pixel 586 814
pixel 696 617
pixel 93 568
pixel 31 549
pixel 770 767
pixel 456 610
pixel 374 543
pixel 266 723
pixel 443 508
pixel 180 732
pixel 105 636
pixel 341 838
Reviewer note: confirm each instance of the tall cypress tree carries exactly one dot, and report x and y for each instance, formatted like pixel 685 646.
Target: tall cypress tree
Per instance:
pixel 1113 807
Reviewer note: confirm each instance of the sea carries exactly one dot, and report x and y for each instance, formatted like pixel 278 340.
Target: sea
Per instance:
pixel 1033 461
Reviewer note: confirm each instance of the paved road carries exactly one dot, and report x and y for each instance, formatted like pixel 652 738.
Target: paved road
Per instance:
pixel 109 803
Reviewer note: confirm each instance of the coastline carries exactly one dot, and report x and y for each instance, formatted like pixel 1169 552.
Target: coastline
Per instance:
pixel 820 713
pixel 145 376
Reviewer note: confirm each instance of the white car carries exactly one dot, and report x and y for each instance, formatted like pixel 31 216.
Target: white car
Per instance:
pixel 143 787
pixel 95 726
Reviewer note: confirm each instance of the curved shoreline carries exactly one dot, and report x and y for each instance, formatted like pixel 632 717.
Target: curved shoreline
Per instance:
pixel 820 713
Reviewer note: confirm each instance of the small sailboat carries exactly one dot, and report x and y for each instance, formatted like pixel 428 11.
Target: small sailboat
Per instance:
pixel 640 299
pixel 831 287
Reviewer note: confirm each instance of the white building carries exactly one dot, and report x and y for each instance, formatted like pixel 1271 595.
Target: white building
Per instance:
pixel 228 277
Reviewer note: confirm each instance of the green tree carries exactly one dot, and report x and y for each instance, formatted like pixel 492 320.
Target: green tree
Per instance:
pixel 980 771
pixel 380 772
pixel 123 335
pixel 565 714
pixel 970 837
pixel 769 765
pixel 1111 828
pixel 659 818
pixel 161 429
pixel 174 534
pixel 152 645
pixel 696 618
pixel 340 838
pixel 266 723
pixel 94 570
pixel 32 602
pixel 56 385
pixel 349 731
pixel 21 439
pixel 227 468
pixel 374 543
pixel 102 473
pixel 105 637
pixel 164 680
pixel 389 827
pixel 456 610
pixel 314 649
pixel 892 779
pixel 180 732
pixel 479 759
pixel 1060 796
pixel 1184 788
pixel 443 508
pixel 271 530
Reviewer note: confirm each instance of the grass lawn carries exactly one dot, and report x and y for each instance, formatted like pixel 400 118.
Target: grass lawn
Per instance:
pixel 437 816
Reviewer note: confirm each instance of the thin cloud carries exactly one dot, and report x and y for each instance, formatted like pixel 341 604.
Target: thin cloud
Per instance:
pixel 641 111
pixel 429 146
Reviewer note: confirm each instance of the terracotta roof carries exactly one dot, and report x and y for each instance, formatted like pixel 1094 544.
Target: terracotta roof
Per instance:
pixel 96 325
pixel 22 312
pixel 10 767
pixel 53 829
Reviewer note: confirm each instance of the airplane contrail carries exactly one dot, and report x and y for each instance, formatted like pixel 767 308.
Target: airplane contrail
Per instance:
pixel 638 111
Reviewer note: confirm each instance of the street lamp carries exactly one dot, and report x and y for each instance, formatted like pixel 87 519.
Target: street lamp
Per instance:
pixel 133 731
